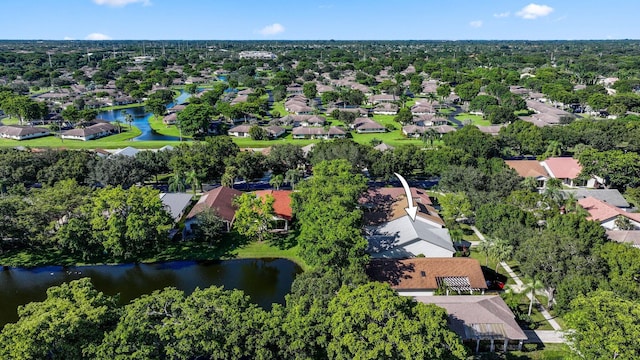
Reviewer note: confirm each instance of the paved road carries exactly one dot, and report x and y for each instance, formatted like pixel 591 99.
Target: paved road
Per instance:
pixel 452 117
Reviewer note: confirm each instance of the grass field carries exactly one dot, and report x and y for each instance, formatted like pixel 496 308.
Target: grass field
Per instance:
pixel 170 130
pixel 476 120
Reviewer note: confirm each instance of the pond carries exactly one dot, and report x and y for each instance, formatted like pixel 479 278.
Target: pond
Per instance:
pixel 266 281
pixel 141 119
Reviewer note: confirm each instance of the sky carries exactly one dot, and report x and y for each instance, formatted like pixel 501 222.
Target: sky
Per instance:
pixel 319 19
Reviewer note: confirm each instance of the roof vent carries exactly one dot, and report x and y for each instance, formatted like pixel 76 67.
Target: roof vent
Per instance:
pixel 424 274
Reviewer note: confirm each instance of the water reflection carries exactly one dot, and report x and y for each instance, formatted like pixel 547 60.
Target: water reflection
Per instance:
pixel 266 281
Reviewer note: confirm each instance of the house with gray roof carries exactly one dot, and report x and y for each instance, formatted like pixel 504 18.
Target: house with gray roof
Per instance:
pixel 18 132
pixel 94 131
pixel 477 318
pixel 392 234
pixel 609 196
pixel 176 204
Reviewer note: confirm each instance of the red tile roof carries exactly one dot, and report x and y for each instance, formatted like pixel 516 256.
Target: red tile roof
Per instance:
pixel 601 211
pixel 282 202
pixel 563 167
pixel 219 199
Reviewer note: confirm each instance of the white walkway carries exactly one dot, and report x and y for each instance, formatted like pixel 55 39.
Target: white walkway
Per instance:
pixel 519 284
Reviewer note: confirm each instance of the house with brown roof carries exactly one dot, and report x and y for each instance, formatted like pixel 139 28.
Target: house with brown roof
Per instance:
pixel 422 109
pixel 424 276
pixel 385 109
pixel 240 131
pixel 382 98
pixel 530 168
pixel 608 215
pixel 318 133
pixel 480 318
pixel 430 120
pixel 365 125
pixel 19 132
pixel 94 131
pixel 281 207
pixel 220 200
pixel 274 132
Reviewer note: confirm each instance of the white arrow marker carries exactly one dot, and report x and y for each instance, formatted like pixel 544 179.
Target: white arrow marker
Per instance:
pixel 411 210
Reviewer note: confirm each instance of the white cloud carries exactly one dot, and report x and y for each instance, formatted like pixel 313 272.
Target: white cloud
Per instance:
pixel 97 36
pixel 534 11
pixel 68 38
pixel 120 3
pixel 272 29
pixel 476 23
pixel 502 14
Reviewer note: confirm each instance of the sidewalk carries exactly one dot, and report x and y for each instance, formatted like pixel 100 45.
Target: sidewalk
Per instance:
pixel 519 284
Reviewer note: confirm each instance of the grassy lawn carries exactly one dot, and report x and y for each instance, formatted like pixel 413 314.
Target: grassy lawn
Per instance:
pixel 115 141
pixel 476 120
pixel 120 107
pixel 159 127
pixel 530 351
pixel 232 246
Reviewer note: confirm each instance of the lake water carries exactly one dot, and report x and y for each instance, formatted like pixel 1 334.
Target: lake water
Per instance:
pixel 266 281
pixel 141 119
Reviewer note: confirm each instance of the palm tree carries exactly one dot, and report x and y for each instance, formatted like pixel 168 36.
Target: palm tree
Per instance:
pixel 485 248
pixel 118 123
pixel 429 136
pixel 292 177
pixel 128 118
pixel 501 251
pixel 177 183
pixel 532 287
pixel 276 181
pixel 192 179
pixel 229 176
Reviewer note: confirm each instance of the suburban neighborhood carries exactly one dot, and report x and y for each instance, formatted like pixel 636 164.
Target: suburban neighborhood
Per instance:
pixel 276 198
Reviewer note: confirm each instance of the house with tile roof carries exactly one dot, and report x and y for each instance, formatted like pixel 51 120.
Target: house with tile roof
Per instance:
pixel 176 204
pixel 220 200
pixel 564 168
pixel 480 318
pixel 607 215
pixel 423 276
pixel 530 168
pixel 283 214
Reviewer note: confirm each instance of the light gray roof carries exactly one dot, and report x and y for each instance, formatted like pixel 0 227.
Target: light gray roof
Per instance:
pixel 478 316
pixel 610 196
pixel 128 151
pixel 403 231
pixel 176 203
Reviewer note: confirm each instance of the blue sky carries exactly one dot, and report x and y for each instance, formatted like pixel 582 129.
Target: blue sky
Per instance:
pixel 320 20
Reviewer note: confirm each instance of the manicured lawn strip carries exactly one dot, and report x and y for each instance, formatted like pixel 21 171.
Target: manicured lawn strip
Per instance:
pixel 541 352
pixel 265 250
pixel 11 121
pixel 476 120
pixel 116 141
pixel 120 107
pixel 161 128
pixel 278 106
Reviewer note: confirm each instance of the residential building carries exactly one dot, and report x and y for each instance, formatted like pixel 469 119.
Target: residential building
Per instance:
pixel 19 132
pixel 609 216
pixel 425 276
pixel 530 168
pixel 220 200
pixel 283 213
pixel 176 204
pixel 480 318
pixel 240 131
pixel 94 131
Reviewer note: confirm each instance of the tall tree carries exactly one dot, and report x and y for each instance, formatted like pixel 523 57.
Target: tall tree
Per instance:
pixel 373 322
pixel 195 118
pixel 254 215
pixel 72 318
